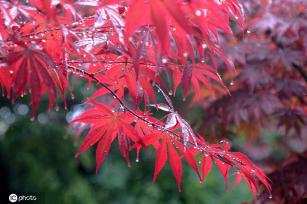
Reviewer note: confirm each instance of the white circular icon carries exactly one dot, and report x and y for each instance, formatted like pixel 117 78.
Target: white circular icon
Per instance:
pixel 13 198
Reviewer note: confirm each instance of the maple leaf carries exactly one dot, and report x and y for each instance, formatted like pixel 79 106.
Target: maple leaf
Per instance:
pixel 173 118
pixel 35 68
pixel 106 125
pixel 165 150
pixel 195 74
pixel 171 148
pixel 5 81
pixel 225 159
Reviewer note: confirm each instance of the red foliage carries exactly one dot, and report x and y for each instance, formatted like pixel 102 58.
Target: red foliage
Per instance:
pixel 135 46
pixel 35 68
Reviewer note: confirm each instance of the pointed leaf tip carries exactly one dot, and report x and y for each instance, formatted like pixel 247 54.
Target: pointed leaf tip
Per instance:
pixel 161 158
pixel 175 162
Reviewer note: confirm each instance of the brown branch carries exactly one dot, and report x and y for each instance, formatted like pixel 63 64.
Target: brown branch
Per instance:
pixel 202 147
pixel 149 123
pixel 300 70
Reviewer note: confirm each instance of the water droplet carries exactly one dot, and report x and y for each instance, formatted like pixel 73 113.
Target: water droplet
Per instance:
pixel 122 108
pixel 32 119
pixel 57 108
pixel 270 197
pixel 170 92
pixel 164 60
pixel 137 160
pixel 219 76
pixel 198 12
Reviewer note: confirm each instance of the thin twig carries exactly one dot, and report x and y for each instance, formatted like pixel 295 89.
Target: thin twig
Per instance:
pixel 152 124
pixel 300 70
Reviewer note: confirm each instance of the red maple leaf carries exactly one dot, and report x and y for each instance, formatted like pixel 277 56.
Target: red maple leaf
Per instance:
pixel 34 68
pixel 106 125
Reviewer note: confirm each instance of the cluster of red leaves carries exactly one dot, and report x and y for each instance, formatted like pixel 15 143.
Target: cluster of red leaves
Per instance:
pixel 131 133
pixel 125 45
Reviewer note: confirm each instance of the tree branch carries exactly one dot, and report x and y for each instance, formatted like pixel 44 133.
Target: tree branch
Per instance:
pixel 149 123
pixel 300 70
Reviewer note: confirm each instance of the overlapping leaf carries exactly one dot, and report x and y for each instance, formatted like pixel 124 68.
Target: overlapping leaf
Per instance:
pixel 106 125
pixel 35 69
